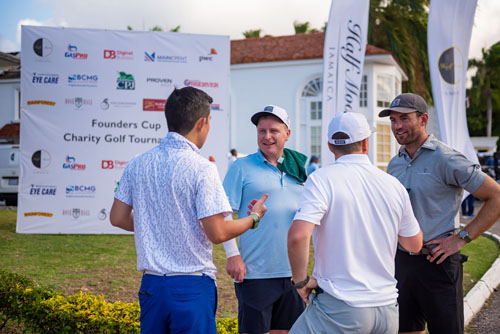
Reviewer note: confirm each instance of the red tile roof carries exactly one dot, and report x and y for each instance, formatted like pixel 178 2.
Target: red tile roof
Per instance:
pixel 280 48
pixel 9 130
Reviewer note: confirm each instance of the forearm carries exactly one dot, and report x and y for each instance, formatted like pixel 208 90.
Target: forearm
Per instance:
pixel 122 216
pixel 485 218
pixel 298 253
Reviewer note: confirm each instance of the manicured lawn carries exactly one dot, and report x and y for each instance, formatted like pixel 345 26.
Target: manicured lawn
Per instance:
pixel 106 264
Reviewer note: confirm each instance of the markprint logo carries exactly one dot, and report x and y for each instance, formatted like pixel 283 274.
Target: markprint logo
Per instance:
pixel 42 47
pixel 41 159
pixel 125 82
pixel 209 57
pixel 151 57
pixel 44 102
pixel 451 65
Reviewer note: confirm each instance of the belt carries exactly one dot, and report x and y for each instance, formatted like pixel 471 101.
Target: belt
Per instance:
pixel 427 250
pixel 423 251
pixel 147 272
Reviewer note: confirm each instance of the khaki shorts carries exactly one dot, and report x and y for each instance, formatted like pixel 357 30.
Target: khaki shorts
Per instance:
pixel 327 314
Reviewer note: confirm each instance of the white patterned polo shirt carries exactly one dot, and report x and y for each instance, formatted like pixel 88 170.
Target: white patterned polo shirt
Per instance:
pixel 170 188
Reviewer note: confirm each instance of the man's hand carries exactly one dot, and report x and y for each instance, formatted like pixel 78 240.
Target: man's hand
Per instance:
pixel 444 247
pixel 258 206
pixel 306 291
pixel 236 268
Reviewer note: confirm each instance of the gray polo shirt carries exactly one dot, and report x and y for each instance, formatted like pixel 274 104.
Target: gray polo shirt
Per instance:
pixel 435 179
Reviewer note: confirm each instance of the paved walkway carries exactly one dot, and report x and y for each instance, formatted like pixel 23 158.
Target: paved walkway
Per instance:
pixel 487 321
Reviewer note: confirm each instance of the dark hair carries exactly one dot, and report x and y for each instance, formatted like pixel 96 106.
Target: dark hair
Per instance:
pixel 185 107
pixel 345 149
pixel 234 152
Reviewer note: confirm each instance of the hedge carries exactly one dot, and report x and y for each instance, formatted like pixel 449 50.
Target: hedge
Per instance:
pixel 42 310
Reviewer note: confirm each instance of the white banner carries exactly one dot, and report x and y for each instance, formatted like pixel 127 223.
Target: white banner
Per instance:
pixel 91 101
pixel 448 37
pixel 343 58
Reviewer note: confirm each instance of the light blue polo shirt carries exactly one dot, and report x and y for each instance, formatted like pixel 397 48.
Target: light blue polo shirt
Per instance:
pixel 264 249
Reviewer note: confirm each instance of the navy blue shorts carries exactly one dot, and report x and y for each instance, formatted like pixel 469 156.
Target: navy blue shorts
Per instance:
pixel 267 304
pixel 178 304
pixel 430 292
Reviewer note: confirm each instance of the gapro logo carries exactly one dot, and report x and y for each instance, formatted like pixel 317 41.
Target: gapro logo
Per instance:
pixel 70 163
pixel 72 53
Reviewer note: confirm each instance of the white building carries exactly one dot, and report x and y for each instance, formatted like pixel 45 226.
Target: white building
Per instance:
pixel 287 71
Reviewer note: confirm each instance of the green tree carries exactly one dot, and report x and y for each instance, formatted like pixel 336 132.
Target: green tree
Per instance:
pixel 301 28
pixel 483 111
pixel 159 28
pixel 400 26
pixel 252 33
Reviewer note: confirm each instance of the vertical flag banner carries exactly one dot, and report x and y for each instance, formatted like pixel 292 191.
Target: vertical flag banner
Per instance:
pixel 343 58
pixel 448 37
pixel 92 100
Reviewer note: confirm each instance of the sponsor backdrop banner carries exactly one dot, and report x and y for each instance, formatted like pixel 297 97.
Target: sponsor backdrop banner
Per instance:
pixel 448 37
pixel 91 101
pixel 343 58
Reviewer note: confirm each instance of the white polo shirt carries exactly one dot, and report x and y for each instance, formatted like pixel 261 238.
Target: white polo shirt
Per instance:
pixel 359 211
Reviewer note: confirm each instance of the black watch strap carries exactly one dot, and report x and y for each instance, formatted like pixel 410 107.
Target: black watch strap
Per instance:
pixel 301 284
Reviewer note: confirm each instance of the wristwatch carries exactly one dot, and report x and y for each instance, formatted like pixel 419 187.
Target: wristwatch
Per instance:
pixel 463 234
pixel 256 219
pixel 301 284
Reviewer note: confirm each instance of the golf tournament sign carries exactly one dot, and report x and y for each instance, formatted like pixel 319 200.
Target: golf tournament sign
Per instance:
pixel 92 100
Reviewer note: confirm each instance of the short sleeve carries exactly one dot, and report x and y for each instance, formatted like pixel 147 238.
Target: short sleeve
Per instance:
pixel 124 192
pixel 409 226
pixel 461 172
pixel 210 196
pixel 313 203
pixel 233 185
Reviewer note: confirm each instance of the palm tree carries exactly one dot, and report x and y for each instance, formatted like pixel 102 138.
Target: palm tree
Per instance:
pixel 485 88
pixel 400 26
pixel 252 33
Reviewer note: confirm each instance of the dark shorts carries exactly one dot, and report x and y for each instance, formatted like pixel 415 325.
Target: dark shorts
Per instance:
pixel 267 304
pixel 178 304
pixel 430 292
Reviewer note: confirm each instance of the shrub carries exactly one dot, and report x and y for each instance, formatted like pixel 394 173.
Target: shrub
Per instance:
pixel 43 310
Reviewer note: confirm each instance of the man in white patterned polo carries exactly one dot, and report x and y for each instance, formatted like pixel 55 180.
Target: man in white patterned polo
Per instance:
pixel 173 200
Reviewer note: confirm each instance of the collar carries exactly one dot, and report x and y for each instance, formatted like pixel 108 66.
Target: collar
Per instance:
pixel 354 158
pixel 429 144
pixel 176 140
pixel 262 158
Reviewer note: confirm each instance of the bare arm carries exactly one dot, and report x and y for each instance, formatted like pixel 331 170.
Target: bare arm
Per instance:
pixel 122 216
pixel 489 192
pixel 299 237
pixel 219 230
pixel 412 244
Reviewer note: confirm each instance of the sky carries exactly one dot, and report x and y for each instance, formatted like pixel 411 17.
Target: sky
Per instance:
pixel 220 17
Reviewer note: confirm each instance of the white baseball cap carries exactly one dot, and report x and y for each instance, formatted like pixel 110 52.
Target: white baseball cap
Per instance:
pixel 352 124
pixel 272 110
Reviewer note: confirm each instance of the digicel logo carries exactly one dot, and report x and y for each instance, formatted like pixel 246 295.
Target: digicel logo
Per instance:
pixel 109 54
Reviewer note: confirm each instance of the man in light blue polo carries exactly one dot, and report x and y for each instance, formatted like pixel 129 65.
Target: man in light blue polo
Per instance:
pixel 267 301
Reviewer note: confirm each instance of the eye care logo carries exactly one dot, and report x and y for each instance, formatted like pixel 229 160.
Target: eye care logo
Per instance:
pixel 42 190
pixel 44 78
pixel 72 53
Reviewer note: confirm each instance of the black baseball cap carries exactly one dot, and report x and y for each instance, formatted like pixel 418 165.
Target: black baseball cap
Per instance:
pixel 405 103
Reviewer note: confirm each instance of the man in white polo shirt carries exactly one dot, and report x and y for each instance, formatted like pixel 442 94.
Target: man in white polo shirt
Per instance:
pixel 356 214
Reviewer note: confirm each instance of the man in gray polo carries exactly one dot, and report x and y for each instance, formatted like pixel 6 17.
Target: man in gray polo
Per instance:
pixel 435 175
